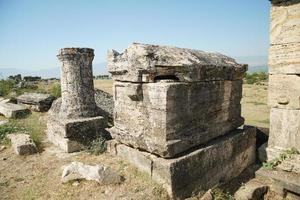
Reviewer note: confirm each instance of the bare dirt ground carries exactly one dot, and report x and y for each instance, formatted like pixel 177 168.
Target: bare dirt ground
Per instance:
pixel 38 176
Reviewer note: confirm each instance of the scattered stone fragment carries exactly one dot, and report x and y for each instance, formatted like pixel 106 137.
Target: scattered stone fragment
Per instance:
pixel 22 144
pixel 291 164
pixel 2 148
pixel 76 183
pixel 208 195
pixel 10 110
pixel 253 190
pixel 3 122
pixel 101 174
pixel 36 101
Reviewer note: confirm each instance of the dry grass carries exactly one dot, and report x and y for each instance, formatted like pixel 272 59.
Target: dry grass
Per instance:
pixel 254 105
pixel 105 85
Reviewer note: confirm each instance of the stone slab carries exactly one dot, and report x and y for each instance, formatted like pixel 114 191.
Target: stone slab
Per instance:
pixel 199 169
pixel 168 118
pixel 284 59
pixel 280 179
pixel 284 91
pixel 22 144
pixel 36 101
pixel 10 110
pixel 72 134
pixel 285 23
pixel 148 63
pixel 284 129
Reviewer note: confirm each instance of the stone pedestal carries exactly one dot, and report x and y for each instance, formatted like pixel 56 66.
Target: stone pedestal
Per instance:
pixel 213 163
pixel 284 81
pixel 72 121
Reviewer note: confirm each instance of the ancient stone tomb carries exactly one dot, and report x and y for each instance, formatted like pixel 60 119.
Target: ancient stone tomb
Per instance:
pixel 176 116
pixel 73 120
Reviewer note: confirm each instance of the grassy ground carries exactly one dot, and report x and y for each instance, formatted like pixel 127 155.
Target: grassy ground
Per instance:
pixel 38 176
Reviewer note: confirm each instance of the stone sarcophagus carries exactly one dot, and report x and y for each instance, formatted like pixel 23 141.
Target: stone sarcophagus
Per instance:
pixel 169 100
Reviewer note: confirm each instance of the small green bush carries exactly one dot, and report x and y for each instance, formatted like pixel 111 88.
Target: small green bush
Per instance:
pixel 256 78
pixel 8 129
pixel 6 87
pixel 56 90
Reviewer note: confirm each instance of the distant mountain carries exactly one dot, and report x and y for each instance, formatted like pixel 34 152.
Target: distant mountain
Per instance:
pixel 256 63
pixel 99 68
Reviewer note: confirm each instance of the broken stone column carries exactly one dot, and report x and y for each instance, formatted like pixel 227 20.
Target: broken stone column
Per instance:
pixel 284 77
pixel 176 116
pixel 73 119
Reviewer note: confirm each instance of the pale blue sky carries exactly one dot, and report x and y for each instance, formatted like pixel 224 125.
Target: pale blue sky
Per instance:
pixel 32 31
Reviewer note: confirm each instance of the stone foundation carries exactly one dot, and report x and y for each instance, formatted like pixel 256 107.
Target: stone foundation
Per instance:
pixel 199 169
pixel 73 135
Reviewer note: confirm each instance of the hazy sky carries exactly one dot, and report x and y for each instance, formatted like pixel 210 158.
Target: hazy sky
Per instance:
pixel 32 31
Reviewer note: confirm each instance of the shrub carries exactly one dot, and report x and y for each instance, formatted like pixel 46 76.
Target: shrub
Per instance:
pixel 7 129
pixel 256 78
pixel 56 90
pixel 6 87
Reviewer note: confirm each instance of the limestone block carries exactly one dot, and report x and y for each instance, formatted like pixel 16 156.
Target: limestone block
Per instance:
pixel 252 190
pixel 172 117
pixel 284 58
pixel 284 91
pixel 98 173
pixel 36 101
pixel 22 144
pixel 280 179
pixel 284 129
pixel 148 63
pixel 200 169
pixel 10 110
pixel 72 134
pixel 285 23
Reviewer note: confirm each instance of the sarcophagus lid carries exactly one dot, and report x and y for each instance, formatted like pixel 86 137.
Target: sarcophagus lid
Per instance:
pixel 148 63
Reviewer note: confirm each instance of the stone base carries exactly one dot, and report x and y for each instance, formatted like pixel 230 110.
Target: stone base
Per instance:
pixel 73 134
pixel 10 110
pixel 281 182
pixel 202 168
pixel 273 153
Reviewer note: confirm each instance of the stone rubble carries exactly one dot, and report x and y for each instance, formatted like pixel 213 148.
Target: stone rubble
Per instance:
pixel 105 103
pixel 22 144
pixel 10 110
pixel 36 101
pixel 101 174
pixel 3 122
pixel 252 190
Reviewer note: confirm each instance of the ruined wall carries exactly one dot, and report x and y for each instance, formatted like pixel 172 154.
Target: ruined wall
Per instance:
pixel 284 76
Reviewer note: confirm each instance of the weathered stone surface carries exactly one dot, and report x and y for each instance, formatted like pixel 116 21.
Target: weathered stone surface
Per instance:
pixel 105 103
pixel 208 195
pixel 73 134
pixel 167 118
pixel 36 101
pixel 252 190
pixel 291 164
pixel 279 179
pixel 285 23
pixel 284 129
pixel 10 110
pixel 22 144
pixel 284 91
pixel 101 174
pixel 73 120
pixel 148 63
pixel 200 169
pixel 284 59
pixel 262 153
pixel 77 83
